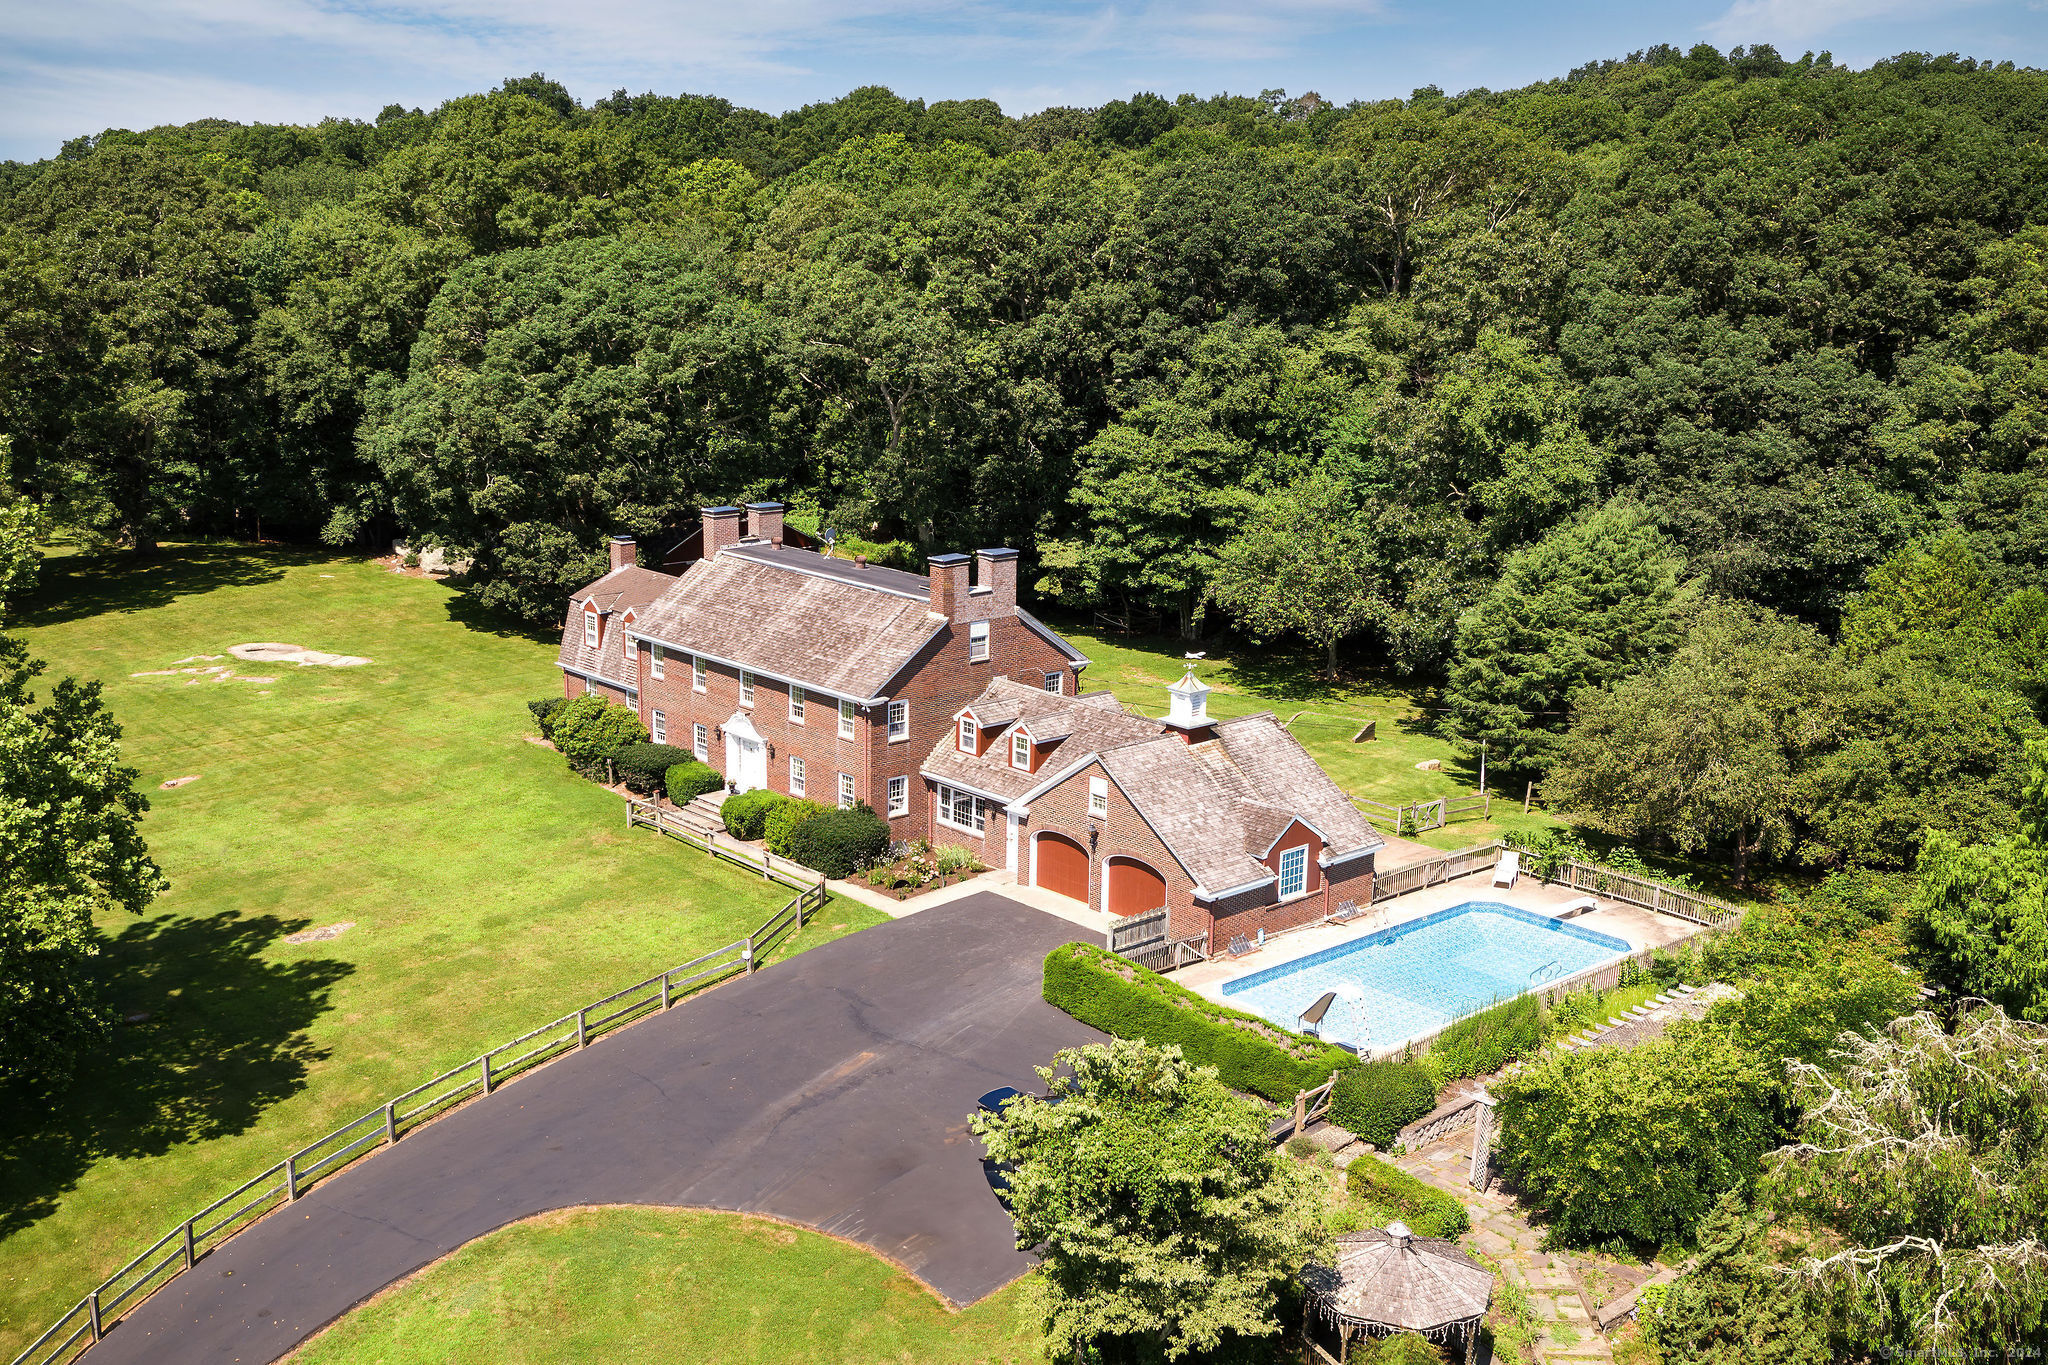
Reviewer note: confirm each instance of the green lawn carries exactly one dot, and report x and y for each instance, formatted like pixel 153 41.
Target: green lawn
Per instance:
pixel 637 1284
pixel 490 890
pixel 1323 716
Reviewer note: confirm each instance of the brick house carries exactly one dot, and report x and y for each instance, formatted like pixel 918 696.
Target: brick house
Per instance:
pixel 1230 825
pixel 811 676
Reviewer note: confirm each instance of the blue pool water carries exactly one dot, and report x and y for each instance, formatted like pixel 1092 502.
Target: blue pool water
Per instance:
pixel 1415 977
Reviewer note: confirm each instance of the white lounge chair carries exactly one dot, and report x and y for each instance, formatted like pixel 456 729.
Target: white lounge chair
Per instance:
pixel 1507 869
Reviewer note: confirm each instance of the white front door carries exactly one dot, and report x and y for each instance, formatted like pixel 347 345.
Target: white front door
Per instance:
pixel 746 754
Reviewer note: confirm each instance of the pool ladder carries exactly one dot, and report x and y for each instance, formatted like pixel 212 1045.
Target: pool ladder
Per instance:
pixel 1549 971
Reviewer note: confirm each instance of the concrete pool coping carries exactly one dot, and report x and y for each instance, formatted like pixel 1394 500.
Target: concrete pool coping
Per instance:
pixel 1638 927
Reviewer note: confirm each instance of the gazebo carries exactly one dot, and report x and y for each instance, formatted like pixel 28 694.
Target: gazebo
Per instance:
pixel 1388 1281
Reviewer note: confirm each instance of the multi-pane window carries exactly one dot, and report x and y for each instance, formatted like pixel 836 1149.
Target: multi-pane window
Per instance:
pixel 1293 871
pixel 1056 683
pixel 625 644
pixel 962 810
pixel 967 735
pixel 746 688
pixel 796 705
pixel 1098 797
pixel 899 720
pixel 1020 751
pixel 847 711
pixel 699 675
pixel 845 790
pixel 700 743
pixel 977 641
pixel 588 687
pixel 654 662
pixel 590 629
pixel 796 776
pixel 658 727
pixel 899 796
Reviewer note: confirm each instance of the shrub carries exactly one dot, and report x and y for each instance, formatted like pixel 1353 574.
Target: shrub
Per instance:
pixel 1119 997
pixel 954 858
pixel 1483 1043
pixel 690 779
pixel 839 843
pixel 746 815
pixel 544 712
pixel 644 767
pixel 1392 1193
pixel 590 729
pixel 783 821
pixel 1379 1099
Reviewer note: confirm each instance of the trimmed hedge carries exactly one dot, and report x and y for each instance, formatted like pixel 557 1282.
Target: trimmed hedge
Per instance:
pixel 1483 1043
pixel 839 843
pixel 1379 1099
pixel 783 822
pixel 746 813
pixel 1393 1193
pixel 544 714
pixel 690 779
pixel 590 729
pixel 644 767
pixel 1119 997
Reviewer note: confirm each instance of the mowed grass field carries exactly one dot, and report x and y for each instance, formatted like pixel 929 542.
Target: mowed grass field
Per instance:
pixel 489 889
pixel 659 1285
pixel 1323 716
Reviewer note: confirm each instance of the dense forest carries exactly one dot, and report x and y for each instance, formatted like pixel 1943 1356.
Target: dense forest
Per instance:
pixel 1690 408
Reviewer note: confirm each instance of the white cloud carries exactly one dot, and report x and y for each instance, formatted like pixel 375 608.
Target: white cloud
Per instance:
pixel 1796 21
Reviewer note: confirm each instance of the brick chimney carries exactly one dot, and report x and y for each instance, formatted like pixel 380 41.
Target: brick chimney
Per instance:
pixel 764 521
pixel 624 552
pixel 995 583
pixel 721 530
pixel 949 586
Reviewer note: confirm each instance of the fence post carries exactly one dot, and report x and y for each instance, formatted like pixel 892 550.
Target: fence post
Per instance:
pixel 1300 1112
pixel 92 1312
pixel 484 1064
pixel 664 990
pixel 1528 795
pixel 291 1179
pixel 390 1122
pixel 582 1029
pixel 747 954
pixel 764 864
pixel 189 1257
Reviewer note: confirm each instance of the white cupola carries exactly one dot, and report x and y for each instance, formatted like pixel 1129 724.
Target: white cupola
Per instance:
pixel 1189 709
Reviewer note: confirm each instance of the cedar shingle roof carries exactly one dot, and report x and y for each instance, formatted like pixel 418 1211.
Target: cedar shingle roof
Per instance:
pixel 1217 805
pixel 628 589
pixel 1404 1282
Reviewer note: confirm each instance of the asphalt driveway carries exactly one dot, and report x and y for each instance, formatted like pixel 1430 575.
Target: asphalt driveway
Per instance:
pixel 832 1089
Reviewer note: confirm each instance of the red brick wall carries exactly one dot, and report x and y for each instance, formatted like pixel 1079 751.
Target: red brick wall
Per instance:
pixel 817 740
pixel 1064 810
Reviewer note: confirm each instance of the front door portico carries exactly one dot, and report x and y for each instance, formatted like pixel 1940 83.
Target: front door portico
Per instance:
pixel 746 754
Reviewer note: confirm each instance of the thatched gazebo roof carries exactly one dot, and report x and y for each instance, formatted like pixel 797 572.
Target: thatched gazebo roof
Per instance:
pixel 1393 1281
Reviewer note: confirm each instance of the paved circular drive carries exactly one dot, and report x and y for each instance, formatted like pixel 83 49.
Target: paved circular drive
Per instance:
pixel 832 1089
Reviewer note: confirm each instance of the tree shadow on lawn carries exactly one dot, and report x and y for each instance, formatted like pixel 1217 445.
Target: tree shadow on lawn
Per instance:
pixel 88 585
pixel 465 610
pixel 225 1040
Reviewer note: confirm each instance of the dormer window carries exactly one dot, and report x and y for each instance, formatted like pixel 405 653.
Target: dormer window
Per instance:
pixel 590 629
pixel 1293 871
pixel 626 644
pixel 977 642
pixel 970 733
pixel 1020 751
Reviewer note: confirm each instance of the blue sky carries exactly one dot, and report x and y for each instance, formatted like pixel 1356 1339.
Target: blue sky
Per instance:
pixel 80 66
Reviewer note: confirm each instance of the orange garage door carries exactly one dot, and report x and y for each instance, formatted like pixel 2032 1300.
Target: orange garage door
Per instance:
pixel 1134 888
pixel 1063 866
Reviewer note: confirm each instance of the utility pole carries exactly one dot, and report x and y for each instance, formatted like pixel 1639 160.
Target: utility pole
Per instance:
pixel 1482 767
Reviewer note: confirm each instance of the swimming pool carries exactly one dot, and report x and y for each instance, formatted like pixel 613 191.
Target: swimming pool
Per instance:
pixel 1416 977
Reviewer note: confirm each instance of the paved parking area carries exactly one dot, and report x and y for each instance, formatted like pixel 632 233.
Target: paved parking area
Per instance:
pixel 832 1089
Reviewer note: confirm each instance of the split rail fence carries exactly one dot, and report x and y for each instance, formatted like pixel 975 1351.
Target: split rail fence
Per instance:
pixel 1418 817
pixel 641 811
pixel 180 1248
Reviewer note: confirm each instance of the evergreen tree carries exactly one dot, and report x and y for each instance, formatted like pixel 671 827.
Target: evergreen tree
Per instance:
pixel 1590 604
pixel 1736 1307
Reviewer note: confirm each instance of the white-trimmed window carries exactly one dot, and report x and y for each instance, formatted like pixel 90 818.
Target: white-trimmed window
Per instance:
pixel 899 796
pixel 590 629
pixel 625 644
pixel 845 790
pixel 962 810
pixel 1098 797
pixel 1056 683
pixel 796 705
pixel 746 688
pixel 1020 751
pixel 654 662
pixel 699 675
pixel 658 727
pixel 588 687
pixel 968 734
pixel 700 743
pixel 1293 871
pixel 977 642
pixel 899 720
pixel 796 776
pixel 847 712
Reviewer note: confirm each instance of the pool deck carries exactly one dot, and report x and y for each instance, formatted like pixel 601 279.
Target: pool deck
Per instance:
pixel 1641 928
